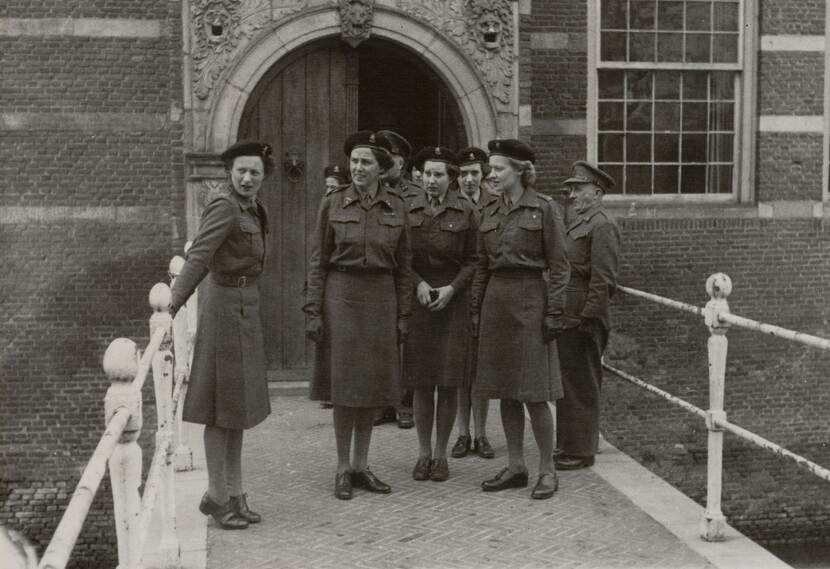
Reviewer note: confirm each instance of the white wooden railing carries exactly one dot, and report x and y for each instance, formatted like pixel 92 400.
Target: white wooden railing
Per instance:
pixel 167 356
pixel 718 319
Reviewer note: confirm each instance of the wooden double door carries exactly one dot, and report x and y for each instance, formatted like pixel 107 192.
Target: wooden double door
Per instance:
pixel 305 107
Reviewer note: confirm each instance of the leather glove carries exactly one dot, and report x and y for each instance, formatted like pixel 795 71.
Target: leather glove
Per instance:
pixel 474 322
pixel 403 330
pixel 314 328
pixel 586 326
pixel 552 328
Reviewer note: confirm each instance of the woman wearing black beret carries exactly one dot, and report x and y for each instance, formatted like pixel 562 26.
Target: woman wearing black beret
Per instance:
pixel 228 390
pixel 517 314
pixel 357 304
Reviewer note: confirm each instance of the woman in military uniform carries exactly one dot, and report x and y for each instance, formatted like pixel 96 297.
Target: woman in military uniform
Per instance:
pixel 335 176
pixel 358 304
pixel 516 313
pixel 228 389
pixel 444 227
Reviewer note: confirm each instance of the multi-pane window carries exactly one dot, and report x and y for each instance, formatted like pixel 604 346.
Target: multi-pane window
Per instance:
pixel 667 78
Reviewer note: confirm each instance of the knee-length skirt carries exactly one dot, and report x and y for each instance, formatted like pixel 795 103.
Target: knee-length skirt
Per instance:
pixel 514 361
pixel 228 378
pixel 436 350
pixel 358 362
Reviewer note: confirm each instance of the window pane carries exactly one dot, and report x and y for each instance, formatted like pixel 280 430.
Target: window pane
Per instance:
pixel 638 148
pixel 694 116
pixel 667 85
pixel 613 46
pixel 642 14
pixel 725 49
pixel 610 84
pixel 611 116
pixel 642 46
pixel 720 179
pixel 699 16
pixel 726 17
pixel 638 116
pixel 614 14
pixel 693 179
pixel 610 147
pixel 697 48
pixel 665 179
pixel 670 47
pixel 670 16
pixel 638 85
pixel 694 85
pixel 723 85
pixel 722 116
pixel 694 148
pixel 667 116
pixel 721 148
pixel 666 147
pixel 616 172
pixel 638 179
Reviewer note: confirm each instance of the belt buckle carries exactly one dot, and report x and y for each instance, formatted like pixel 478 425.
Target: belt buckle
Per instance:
pixel 241 281
pixel 341 268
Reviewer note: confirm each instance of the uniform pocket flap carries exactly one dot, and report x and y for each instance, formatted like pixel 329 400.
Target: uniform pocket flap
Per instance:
pixel 454 225
pixel 416 220
pixel 340 217
pixel 531 221
pixel 391 220
pixel 248 226
pixel 488 226
pixel 579 231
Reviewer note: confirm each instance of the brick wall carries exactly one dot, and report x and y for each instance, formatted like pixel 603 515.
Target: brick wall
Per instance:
pixel 798 17
pixel 91 179
pixel 789 166
pixel 790 83
pixel 773 387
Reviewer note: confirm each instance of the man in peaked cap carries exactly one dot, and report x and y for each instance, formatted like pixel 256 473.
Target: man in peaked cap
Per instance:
pixel 472 162
pixel 593 245
pixel 400 149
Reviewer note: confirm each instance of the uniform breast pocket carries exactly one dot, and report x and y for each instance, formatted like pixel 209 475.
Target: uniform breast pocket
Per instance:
pixel 529 233
pixel 578 247
pixel 391 227
pixel 451 233
pixel 253 237
pixel 490 235
pixel 346 227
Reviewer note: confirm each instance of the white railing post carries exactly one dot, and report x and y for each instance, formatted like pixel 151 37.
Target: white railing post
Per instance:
pixel 120 365
pixel 183 455
pixel 713 522
pixel 162 367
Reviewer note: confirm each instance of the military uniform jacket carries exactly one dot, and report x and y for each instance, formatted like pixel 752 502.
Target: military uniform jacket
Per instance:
pixel 443 241
pixel 528 236
pixel 231 242
pixel 359 236
pixel 593 245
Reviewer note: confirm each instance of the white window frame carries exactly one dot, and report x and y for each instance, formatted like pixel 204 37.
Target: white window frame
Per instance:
pixel 745 107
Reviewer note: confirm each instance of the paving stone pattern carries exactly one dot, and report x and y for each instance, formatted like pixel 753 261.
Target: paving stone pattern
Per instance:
pixel 289 472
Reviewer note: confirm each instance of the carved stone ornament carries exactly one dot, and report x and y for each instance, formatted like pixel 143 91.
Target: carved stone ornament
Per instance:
pixel 209 190
pixel 220 27
pixel 483 29
pixel 355 20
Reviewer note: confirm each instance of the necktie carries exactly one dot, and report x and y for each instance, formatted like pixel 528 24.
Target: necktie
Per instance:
pixel 433 204
pixel 366 199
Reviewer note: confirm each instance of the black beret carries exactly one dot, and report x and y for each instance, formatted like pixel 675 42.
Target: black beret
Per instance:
pixel 366 139
pixel 399 145
pixel 471 155
pixel 247 148
pixel 336 171
pixel 586 173
pixel 434 154
pixel 512 148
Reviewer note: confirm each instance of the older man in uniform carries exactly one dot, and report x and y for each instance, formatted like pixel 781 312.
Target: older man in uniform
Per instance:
pixel 394 178
pixel 593 245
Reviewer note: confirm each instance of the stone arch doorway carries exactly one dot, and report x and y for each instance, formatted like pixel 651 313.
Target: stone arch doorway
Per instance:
pixel 305 105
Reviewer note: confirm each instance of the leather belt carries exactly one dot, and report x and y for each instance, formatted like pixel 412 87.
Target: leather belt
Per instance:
pixel 517 273
pixel 236 281
pixel 364 270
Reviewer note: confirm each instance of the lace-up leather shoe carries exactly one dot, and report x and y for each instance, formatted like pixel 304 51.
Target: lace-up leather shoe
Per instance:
pixel 421 470
pixel 365 479
pixel 483 448
pixel 505 479
pixel 546 486
pixel 563 462
pixel 439 470
pixel 461 446
pixel 343 485
pixel 223 514
pixel 239 504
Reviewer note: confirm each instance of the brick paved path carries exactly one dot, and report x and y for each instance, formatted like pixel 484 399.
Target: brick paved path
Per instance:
pixel 289 472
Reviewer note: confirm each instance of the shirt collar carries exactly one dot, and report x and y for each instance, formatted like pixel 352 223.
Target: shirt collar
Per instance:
pixel 586 215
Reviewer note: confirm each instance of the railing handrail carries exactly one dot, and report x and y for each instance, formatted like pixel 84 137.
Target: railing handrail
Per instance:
pixel 718 319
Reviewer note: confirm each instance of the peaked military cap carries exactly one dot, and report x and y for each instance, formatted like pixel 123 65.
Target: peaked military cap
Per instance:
pixel 512 148
pixel 434 154
pixel 400 145
pixel 335 171
pixel 366 139
pixel 471 155
pixel 586 173
pixel 247 148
